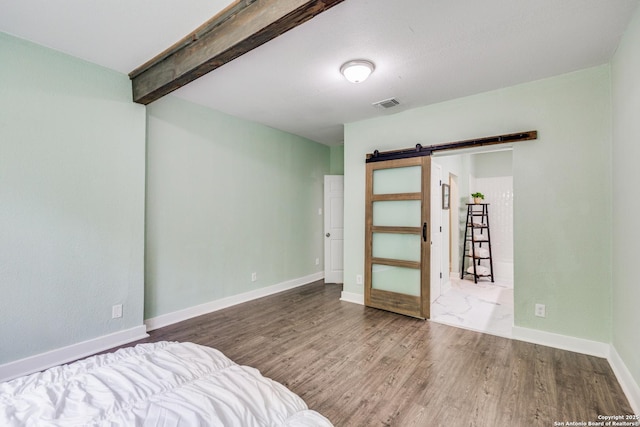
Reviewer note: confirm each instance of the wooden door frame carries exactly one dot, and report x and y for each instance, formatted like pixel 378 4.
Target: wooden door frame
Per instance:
pixel 415 306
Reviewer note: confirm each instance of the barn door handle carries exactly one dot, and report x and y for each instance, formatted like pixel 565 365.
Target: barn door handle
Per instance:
pixel 424 231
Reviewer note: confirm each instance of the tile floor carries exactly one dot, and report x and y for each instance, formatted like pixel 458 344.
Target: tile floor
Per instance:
pixel 485 306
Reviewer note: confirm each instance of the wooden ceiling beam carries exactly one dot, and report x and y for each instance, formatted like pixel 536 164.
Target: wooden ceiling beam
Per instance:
pixel 239 28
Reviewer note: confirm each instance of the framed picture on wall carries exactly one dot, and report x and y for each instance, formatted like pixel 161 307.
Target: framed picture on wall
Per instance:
pixel 445 196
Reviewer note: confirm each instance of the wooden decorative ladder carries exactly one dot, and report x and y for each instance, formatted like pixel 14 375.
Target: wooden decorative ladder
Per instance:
pixel 477 234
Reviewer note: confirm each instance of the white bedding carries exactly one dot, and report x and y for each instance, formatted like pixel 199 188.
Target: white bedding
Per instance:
pixel 159 384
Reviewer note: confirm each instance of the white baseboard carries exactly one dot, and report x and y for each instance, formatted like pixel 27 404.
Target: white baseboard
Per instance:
pixel 211 306
pixel 627 382
pixel 563 342
pixel 83 349
pixel 352 297
pixel 70 353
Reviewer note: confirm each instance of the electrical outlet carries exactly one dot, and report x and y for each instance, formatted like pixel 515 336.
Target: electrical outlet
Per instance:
pixel 540 310
pixel 317 261
pixel 319 211
pixel 359 279
pixel 254 277
pixel 116 311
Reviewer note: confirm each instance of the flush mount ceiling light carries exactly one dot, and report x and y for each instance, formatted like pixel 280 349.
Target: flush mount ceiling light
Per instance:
pixel 358 70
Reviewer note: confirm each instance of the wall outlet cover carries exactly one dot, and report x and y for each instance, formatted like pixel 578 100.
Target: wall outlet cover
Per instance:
pixel 116 311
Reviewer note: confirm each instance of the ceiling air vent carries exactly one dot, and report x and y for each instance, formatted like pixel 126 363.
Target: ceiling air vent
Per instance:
pixel 386 103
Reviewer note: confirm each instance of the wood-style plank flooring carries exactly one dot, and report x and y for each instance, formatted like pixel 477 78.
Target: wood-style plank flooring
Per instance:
pixel 365 367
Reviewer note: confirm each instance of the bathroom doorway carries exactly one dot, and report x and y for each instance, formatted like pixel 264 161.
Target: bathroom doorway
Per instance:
pixel 485 306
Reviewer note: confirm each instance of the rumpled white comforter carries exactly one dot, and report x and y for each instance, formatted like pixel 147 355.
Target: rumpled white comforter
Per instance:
pixel 159 384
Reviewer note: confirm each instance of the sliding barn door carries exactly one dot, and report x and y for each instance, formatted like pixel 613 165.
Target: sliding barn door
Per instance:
pixel 398 236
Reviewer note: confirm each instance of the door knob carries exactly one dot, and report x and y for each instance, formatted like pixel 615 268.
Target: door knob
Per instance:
pixel 328 234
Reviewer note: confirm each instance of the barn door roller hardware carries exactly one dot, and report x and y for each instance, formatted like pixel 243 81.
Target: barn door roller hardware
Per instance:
pixel 419 150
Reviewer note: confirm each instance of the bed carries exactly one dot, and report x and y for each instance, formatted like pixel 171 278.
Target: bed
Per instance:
pixel 158 384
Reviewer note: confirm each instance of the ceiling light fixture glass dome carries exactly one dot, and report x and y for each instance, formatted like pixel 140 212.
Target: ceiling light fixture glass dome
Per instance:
pixel 358 70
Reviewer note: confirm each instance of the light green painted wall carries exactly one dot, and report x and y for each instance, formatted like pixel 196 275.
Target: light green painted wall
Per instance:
pixel 72 150
pixel 562 182
pixel 337 160
pixel 626 202
pixel 490 165
pixel 225 198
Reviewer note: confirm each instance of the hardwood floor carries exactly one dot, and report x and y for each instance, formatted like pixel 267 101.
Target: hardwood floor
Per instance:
pixel 365 367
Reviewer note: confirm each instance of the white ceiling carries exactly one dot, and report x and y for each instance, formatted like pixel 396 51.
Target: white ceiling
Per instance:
pixel 425 51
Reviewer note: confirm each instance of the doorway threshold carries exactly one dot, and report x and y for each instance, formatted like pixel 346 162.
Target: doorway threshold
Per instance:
pixel 483 307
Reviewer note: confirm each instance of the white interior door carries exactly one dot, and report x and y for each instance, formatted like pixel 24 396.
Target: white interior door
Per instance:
pixel 333 228
pixel 436 230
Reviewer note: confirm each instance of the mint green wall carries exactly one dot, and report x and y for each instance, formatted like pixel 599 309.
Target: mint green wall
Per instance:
pixel 337 160
pixel 72 150
pixel 626 201
pixel 226 198
pixel 493 164
pixel 562 182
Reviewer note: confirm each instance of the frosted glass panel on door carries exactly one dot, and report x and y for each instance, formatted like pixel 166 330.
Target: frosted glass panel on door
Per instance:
pixel 397 213
pixel 397 180
pixel 396 279
pixel 405 247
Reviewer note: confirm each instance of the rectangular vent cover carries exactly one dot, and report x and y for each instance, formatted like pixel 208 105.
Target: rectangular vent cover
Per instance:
pixel 386 103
